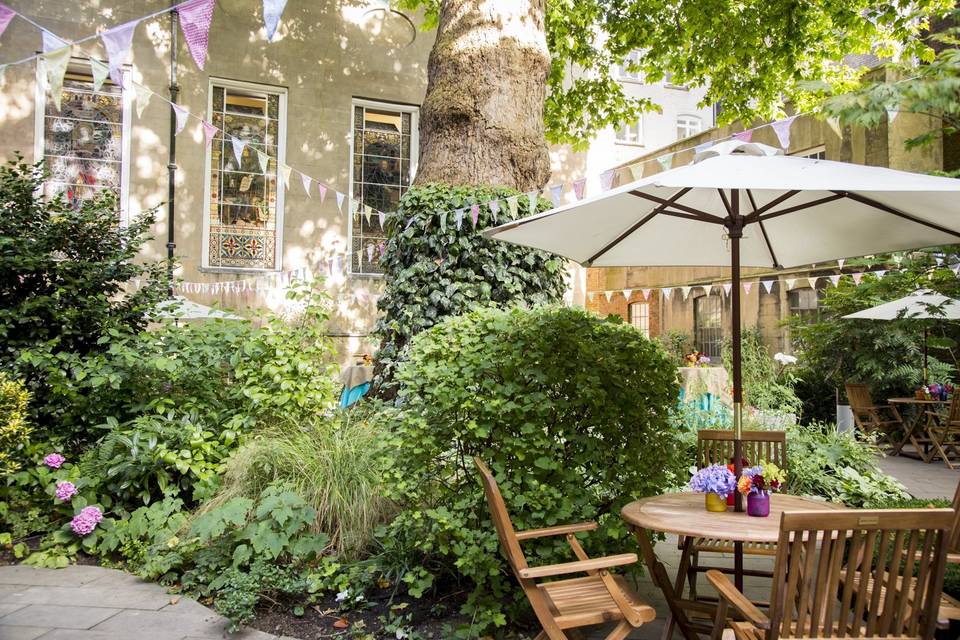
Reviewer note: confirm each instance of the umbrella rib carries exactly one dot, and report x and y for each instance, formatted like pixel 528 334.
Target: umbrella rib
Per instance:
pixel 753 217
pixel 701 215
pixel 643 221
pixel 763 231
pixel 900 214
pixel 800 207
pixel 726 203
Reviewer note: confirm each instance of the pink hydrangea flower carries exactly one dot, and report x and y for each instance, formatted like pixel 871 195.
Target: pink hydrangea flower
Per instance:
pixel 86 521
pixel 66 490
pixel 54 460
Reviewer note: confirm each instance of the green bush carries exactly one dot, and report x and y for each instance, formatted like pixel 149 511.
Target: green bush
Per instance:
pixel 767 384
pixel 14 429
pixel 570 411
pixel 334 464
pixel 434 270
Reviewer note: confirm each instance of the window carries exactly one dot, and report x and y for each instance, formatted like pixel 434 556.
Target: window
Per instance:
pixel 631 133
pixel 707 327
pixel 384 162
pixel 668 82
pixel 624 71
pixel 245 205
pixel 85 145
pixel 640 317
pixel 817 153
pixel 688 126
pixel 803 304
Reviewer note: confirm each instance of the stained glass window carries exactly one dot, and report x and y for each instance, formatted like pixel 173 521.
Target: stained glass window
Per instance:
pixel 383 165
pixel 244 201
pixel 83 144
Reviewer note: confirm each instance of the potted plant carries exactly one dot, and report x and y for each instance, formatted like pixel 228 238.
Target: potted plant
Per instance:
pixel 716 482
pixel 757 483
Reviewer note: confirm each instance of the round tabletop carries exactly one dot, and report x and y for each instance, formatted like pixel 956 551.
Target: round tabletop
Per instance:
pixel 915 401
pixel 684 514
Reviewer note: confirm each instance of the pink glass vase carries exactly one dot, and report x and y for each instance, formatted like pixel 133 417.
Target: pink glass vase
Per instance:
pixel 758 505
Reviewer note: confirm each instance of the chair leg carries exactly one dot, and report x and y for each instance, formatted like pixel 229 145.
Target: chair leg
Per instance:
pixel 692 573
pixel 621 631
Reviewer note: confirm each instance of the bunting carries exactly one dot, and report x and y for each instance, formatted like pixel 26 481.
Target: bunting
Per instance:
pixel 857 277
pixel 6 15
pixel 727 288
pixel 685 291
pixel 782 129
pixel 285 171
pixel 835 279
pixel 306 180
pixel 322 188
pixel 50 42
pixel 195 18
pixel 834 123
pixel 99 70
pixel 666 161
pixel 666 292
pixel 117 42
pixel 767 284
pixel 841 261
pixel 381 218
pixel 272 10
pixel 459 219
pixel 209 131
pixel 744 136
pixel 812 281
pixel 263 159
pixel 340 201
pixel 789 282
pixel 636 170
pixel 627 293
pixel 180 113
pixel 609 295
pixel 474 214
pixel 646 293
pixel 555 191
pixel 606 179
pixel 512 205
pixel 747 286
pixel 532 197
pixel 494 209
pixel 238 147
pixel 56 66
pixel 578 186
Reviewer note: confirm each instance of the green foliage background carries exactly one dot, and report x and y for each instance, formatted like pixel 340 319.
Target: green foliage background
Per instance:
pixel 14 429
pixel 434 270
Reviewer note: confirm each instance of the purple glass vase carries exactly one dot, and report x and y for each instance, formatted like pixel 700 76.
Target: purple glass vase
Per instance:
pixel 758 505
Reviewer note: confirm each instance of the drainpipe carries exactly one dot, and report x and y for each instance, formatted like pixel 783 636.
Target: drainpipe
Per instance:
pixel 172 159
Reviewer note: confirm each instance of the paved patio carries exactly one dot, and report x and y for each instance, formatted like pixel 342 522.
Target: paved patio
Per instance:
pixel 93 603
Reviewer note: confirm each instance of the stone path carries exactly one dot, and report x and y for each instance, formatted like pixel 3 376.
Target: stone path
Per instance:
pixel 93 603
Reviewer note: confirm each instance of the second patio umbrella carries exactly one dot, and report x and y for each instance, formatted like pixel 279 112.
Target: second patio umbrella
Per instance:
pixel 742 204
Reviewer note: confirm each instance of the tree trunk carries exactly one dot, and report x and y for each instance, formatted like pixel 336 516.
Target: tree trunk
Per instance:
pixel 482 117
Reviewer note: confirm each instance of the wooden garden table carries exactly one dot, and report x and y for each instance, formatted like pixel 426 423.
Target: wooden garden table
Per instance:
pixel 916 422
pixel 684 514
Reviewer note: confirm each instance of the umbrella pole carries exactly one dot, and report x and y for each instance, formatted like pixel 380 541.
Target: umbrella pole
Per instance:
pixel 925 355
pixel 735 232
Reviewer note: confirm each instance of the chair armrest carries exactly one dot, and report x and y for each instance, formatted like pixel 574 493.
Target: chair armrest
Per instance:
pixel 559 530
pixel 580 566
pixel 737 600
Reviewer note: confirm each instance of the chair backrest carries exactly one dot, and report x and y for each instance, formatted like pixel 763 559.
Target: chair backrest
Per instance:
pixel 716 446
pixel 954 543
pixel 954 409
pixel 831 565
pixel 858 395
pixel 501 520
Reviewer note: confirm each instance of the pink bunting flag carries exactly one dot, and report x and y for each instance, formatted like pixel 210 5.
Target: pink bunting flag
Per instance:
pixel 306 183
pixel 744 136
pixel 727 288
pixel 322 188
pixel 606 179
pixel 782 129
pixel 195 18
pixel 555 194
pixel 857 277
pixel 209 131
pixel 747 286
pixel 474 214
pixel 767 284
pixel 181 114
pixel 382 247
pixel 578 186
pixel 117 42
pixel 646 293
pixel 835 279
pixel 494 208
pixel 6 15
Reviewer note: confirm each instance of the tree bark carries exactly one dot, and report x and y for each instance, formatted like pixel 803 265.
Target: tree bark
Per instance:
pixel 482 118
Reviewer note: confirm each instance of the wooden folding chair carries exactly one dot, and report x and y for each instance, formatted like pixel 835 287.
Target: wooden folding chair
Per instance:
pixel 716 447
pixel 851 574
pixel 943 432
pixel 880 421
pixel 598 598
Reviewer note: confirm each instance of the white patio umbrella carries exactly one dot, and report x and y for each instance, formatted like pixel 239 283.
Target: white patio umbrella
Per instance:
pixel 180 308
pixel 742 204
pixel 919 305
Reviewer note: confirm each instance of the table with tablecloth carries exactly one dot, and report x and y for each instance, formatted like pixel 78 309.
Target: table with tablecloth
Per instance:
pixel 705 386
pixel 356 381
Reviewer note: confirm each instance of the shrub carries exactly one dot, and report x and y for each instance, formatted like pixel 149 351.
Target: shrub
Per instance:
pixel 435 269
pixel 334 464
pixel 767 384
pixel 14 430
pixel 572 414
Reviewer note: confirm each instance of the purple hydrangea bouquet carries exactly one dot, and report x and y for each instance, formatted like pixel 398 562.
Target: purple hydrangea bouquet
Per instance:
pixel 717 482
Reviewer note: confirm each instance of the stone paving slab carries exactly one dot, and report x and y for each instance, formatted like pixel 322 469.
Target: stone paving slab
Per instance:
pixel 22 633
pixel 60 616
pixel 72 576
pixel 161 625
pixel 94 594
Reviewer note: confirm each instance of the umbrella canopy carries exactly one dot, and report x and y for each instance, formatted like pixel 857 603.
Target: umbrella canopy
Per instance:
pixel 179 308
pixel 743 204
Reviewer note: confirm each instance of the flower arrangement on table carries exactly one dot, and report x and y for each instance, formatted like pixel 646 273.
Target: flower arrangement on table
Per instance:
pixel 934 391
pixel 717 482
pixel 757 483
pixel 696 359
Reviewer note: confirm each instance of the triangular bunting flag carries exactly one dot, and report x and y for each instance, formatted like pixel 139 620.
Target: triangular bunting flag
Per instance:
pixel 666 292
pixel 609 295
pixel 307 181
pixel 195 17
pixel 340 201
pixel 555 191
pixel 99 70
pixel 272 10
pixel 494 208
pixel 591 295
pixel 6 15
pixel 143 96
pixel 263 159
pixel 459 218
pixel 700 148
pixel 367 212
pixel 381 218
pixel 744 136
pixel 636 171
pixel 369 253
pixel 782 129
pixel 208 132
pixel 857 277
pixel 117 42
pixel 666 161
pixel 512 206
pixel 627 293
pixel 285 171
pixel 3 72
pixel 646 293
pixel 322 188
pixel 835 279
pixel 880 273
pixel 892 114
pixel 834 124
pixel 181 114
pixel 767 284
pixel 474 214
pixel 789 282
pixel 532 197
pixel 238 147
pixel 56 63
pixel 685 291
pixel 727 288
pixel 840 263
pixel 443 221
pixel 747 286
pixel 52 42
pixel 812 281
pixel 578 186
pixel 606 179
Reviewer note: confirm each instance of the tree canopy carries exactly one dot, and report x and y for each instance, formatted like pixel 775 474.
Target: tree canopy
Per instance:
pixel 752 56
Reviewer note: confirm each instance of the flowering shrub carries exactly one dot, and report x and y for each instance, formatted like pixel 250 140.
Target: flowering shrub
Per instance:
pixel 86 521
pixel 716 478
pixel 54 460
pixel 65 490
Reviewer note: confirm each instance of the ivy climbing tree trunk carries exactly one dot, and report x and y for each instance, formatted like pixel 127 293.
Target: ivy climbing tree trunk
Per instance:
pixel 482 117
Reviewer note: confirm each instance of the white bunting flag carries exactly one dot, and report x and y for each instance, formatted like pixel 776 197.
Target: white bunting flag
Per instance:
pixel 367 212
pixel 789 282
pixel 272 10
pixel 494 209
pixel 636 170
pixel 666 292
pixel 369 253
pixel 812 281
pixel 727 288
pixel 51 42
pixel 307 181
pixel 117 42
pixel 459 218
pixel 835 279
pixel 381 219
pixel 443 221
pixel 533 196
pixel 340 201
pixel 578 187
pixel 591 295
pixel 627 293
pixel 666 161
pixel 606 179
pixel 892 114
pixel 512 205
pixel 99 70
pixel 834 124
pixel 840 263
pixel 322 188
pixel 263 159
pixel 181 113
pixel 56 62
pixel 143 96
pixel 685 291
pixel 857 277
pixel 880 273
pixel 285 171
pixel 747 286
pixel 609 295
pixel 555 191
pixel 646 293
pixel 767 284
pixel 238 147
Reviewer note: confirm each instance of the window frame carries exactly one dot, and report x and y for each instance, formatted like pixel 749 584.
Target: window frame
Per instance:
pixel 81 65
pixel 818 152
pixel 400 107
pixel 638 77
pixel 240 85
pixel 644 317
pixel 638 124
pixel 719 328
pixel 803 314
pixel 690 116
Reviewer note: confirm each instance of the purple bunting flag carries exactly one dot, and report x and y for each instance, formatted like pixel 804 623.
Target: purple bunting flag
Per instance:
pixel 117 42
pixel 181 114
pixel 744 136
pixel 578 186
pixel 606 179
pixel 474 214
pixel 238 147
pixel 306 183
pixel 340 201
pixel 322 188
pixel 6 15
pixel 209 131
pixel 272 10
pixel 782 129
pixel 195 18
pixel 494 208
